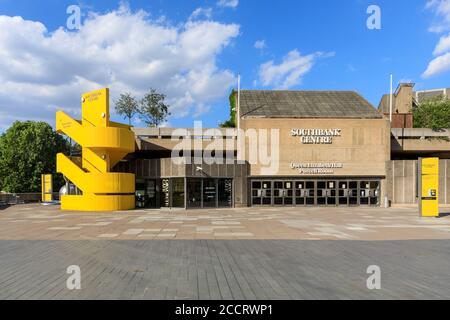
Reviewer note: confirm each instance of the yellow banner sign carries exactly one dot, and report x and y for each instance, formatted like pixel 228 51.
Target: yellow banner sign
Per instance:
pixel 429 187
pixel 47 188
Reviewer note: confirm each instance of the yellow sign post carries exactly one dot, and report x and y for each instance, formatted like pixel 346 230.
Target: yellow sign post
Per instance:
pixel 429 187
pixel 46 188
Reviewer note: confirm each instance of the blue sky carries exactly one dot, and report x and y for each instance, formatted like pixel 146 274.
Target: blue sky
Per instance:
pixel 193 51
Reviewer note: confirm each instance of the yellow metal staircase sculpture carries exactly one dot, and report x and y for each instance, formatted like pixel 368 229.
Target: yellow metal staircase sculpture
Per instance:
pixel 104 143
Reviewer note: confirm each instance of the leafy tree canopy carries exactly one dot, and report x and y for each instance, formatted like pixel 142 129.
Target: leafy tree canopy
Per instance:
pixel 231 122
pixel 126 106
pixel 433 113
pixel 28 149
pixel 152 108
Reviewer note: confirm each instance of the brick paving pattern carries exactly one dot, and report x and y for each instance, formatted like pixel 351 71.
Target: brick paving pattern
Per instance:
pixel 224 269
pixel 48 222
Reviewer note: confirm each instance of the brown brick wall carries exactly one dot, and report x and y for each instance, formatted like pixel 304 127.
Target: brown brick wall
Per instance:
pixel 401 120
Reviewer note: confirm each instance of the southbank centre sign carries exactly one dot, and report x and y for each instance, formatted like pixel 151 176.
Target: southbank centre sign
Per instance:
pixel 316 136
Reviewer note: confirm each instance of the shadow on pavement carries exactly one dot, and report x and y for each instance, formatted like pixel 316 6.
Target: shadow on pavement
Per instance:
pixel 4 206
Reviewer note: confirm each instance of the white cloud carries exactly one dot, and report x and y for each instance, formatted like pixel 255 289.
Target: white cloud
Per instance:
pixel 260 44
pixel 442 10
pixel 443 45
pixel 42 71
pixel 440 63
pixel 228 3
pixel 290 71
pixel 199 12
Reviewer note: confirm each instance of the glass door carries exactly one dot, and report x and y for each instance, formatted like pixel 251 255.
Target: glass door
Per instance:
pixel 141 197
pixel 300 193
pixel 266 193
pixel 343 193
pixel 152 192
pixel 194 190
pixel 225 192
pixel 353 193
pixel 364 193
pixel 321 193
pixel 278 193
pixel 261 192
pixel 209 193
pixel 331 193
pixel 374 193
pixel 256 193
pixel 288 195
pixel 178 192
pixel 310 193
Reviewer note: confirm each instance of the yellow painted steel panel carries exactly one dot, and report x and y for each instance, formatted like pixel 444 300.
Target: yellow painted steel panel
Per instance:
pixel 429 192
pixel 47 188
pixel 104 143
pixel 95 182
pixel 95 108
pixel 69 126
pixel 93 161
pixel 430 166
pixel 92 202
pixel 113 138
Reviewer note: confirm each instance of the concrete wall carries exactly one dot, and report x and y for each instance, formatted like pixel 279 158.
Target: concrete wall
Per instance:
pixel 401 100
pixel 401 181
pixel 158 139
pixel 363 147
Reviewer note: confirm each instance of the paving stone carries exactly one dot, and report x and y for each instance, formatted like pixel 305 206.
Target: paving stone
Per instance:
pixel 108 235
pixel 133 231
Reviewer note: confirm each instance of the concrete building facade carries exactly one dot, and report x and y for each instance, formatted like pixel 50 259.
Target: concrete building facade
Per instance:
pixel 291 148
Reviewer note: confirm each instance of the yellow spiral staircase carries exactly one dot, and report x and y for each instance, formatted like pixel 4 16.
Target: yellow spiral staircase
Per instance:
pixel 104 143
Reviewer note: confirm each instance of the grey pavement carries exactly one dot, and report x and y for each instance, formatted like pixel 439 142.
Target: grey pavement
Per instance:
pixel 224 269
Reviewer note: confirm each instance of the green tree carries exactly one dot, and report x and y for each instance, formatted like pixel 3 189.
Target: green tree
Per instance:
pixel 126 106
pixel 152 108
pixel 433 113
pixel 231 122
pixel 28 149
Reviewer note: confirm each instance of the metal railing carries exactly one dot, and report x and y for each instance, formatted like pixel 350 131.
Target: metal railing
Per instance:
pixel 19 198
pixel 161 133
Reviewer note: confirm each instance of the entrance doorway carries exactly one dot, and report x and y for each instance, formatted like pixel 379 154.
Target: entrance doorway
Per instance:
pixel 209 192
pixel 320 192
pixel 147 193
pixel 261 192
pixel 283 193
pixel 172 193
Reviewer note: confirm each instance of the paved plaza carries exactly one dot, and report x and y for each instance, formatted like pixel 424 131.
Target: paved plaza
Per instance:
pixel 34 221
pixel 250 253
pixel 224 269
